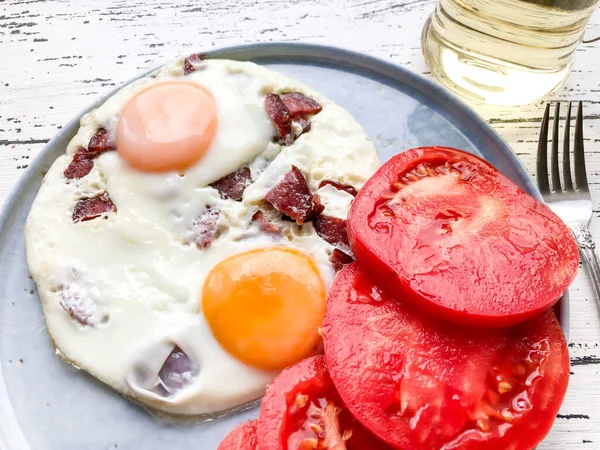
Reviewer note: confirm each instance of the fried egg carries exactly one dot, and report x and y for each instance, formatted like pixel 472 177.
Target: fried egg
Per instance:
pixel 154 281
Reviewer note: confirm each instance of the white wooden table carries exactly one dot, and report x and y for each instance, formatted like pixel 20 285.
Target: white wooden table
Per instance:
pixel 57 56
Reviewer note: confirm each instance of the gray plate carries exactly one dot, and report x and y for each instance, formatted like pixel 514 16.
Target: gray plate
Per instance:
pixel 48 405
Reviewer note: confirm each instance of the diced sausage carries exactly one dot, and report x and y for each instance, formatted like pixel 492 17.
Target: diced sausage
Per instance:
pixel 190 61
pixel 287 108
pixel 93 207
pixel 339 259
pixel 339 186
pixel 305 124
pixel 280 116
pixel 297 103
pixel 233 185
pixel 81 164
pixel 80 306
pixel 317 208
pixel 100 143
pixel 205 228
pixel 332 230
pixel 265 224
pixel 292 197
pixel 83 160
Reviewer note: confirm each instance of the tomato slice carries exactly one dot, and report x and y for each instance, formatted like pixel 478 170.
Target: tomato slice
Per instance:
pixel 457 237
pixel 417 383
pixel 302 411
pixel 242 437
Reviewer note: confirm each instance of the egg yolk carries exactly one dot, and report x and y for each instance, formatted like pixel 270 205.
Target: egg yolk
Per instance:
pixel 265 306
pixel 167 127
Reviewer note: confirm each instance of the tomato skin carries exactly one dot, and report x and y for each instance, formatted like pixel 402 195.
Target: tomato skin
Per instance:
pixel 466 244
pixel 419 383
pixel 278 420
pixel 242 437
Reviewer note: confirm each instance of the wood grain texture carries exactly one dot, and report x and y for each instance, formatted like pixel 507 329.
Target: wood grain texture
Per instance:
pixel 59 55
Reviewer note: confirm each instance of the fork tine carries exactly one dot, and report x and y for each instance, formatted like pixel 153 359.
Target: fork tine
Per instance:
pixel 578 152
pixel 542 155
pixel 568 185
pixel 554 156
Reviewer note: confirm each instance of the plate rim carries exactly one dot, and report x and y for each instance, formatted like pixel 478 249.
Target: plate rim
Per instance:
pixel 9 427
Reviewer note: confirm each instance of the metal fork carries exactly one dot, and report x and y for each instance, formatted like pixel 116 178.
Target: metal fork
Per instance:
pixel 569 201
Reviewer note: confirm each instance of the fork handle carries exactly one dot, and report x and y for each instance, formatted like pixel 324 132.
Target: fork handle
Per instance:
pixel 587 246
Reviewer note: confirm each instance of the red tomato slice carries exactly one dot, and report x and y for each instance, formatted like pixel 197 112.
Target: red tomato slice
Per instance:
pixel 456 236
pixel 419 384
pixel 242 437
pixel 302 411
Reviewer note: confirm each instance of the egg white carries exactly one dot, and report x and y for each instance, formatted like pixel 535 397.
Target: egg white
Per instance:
pixel 137 278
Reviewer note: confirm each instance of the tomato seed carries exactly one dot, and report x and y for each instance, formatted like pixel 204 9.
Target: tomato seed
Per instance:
pixel 422 170
pixel 504 387
pixel 309 444
pixel 347 434
pixel 317 414
pixel 492 397
pixel 442 170
pixel 483 425
pixel 507 415
pixel 301 400
pixel 315 428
